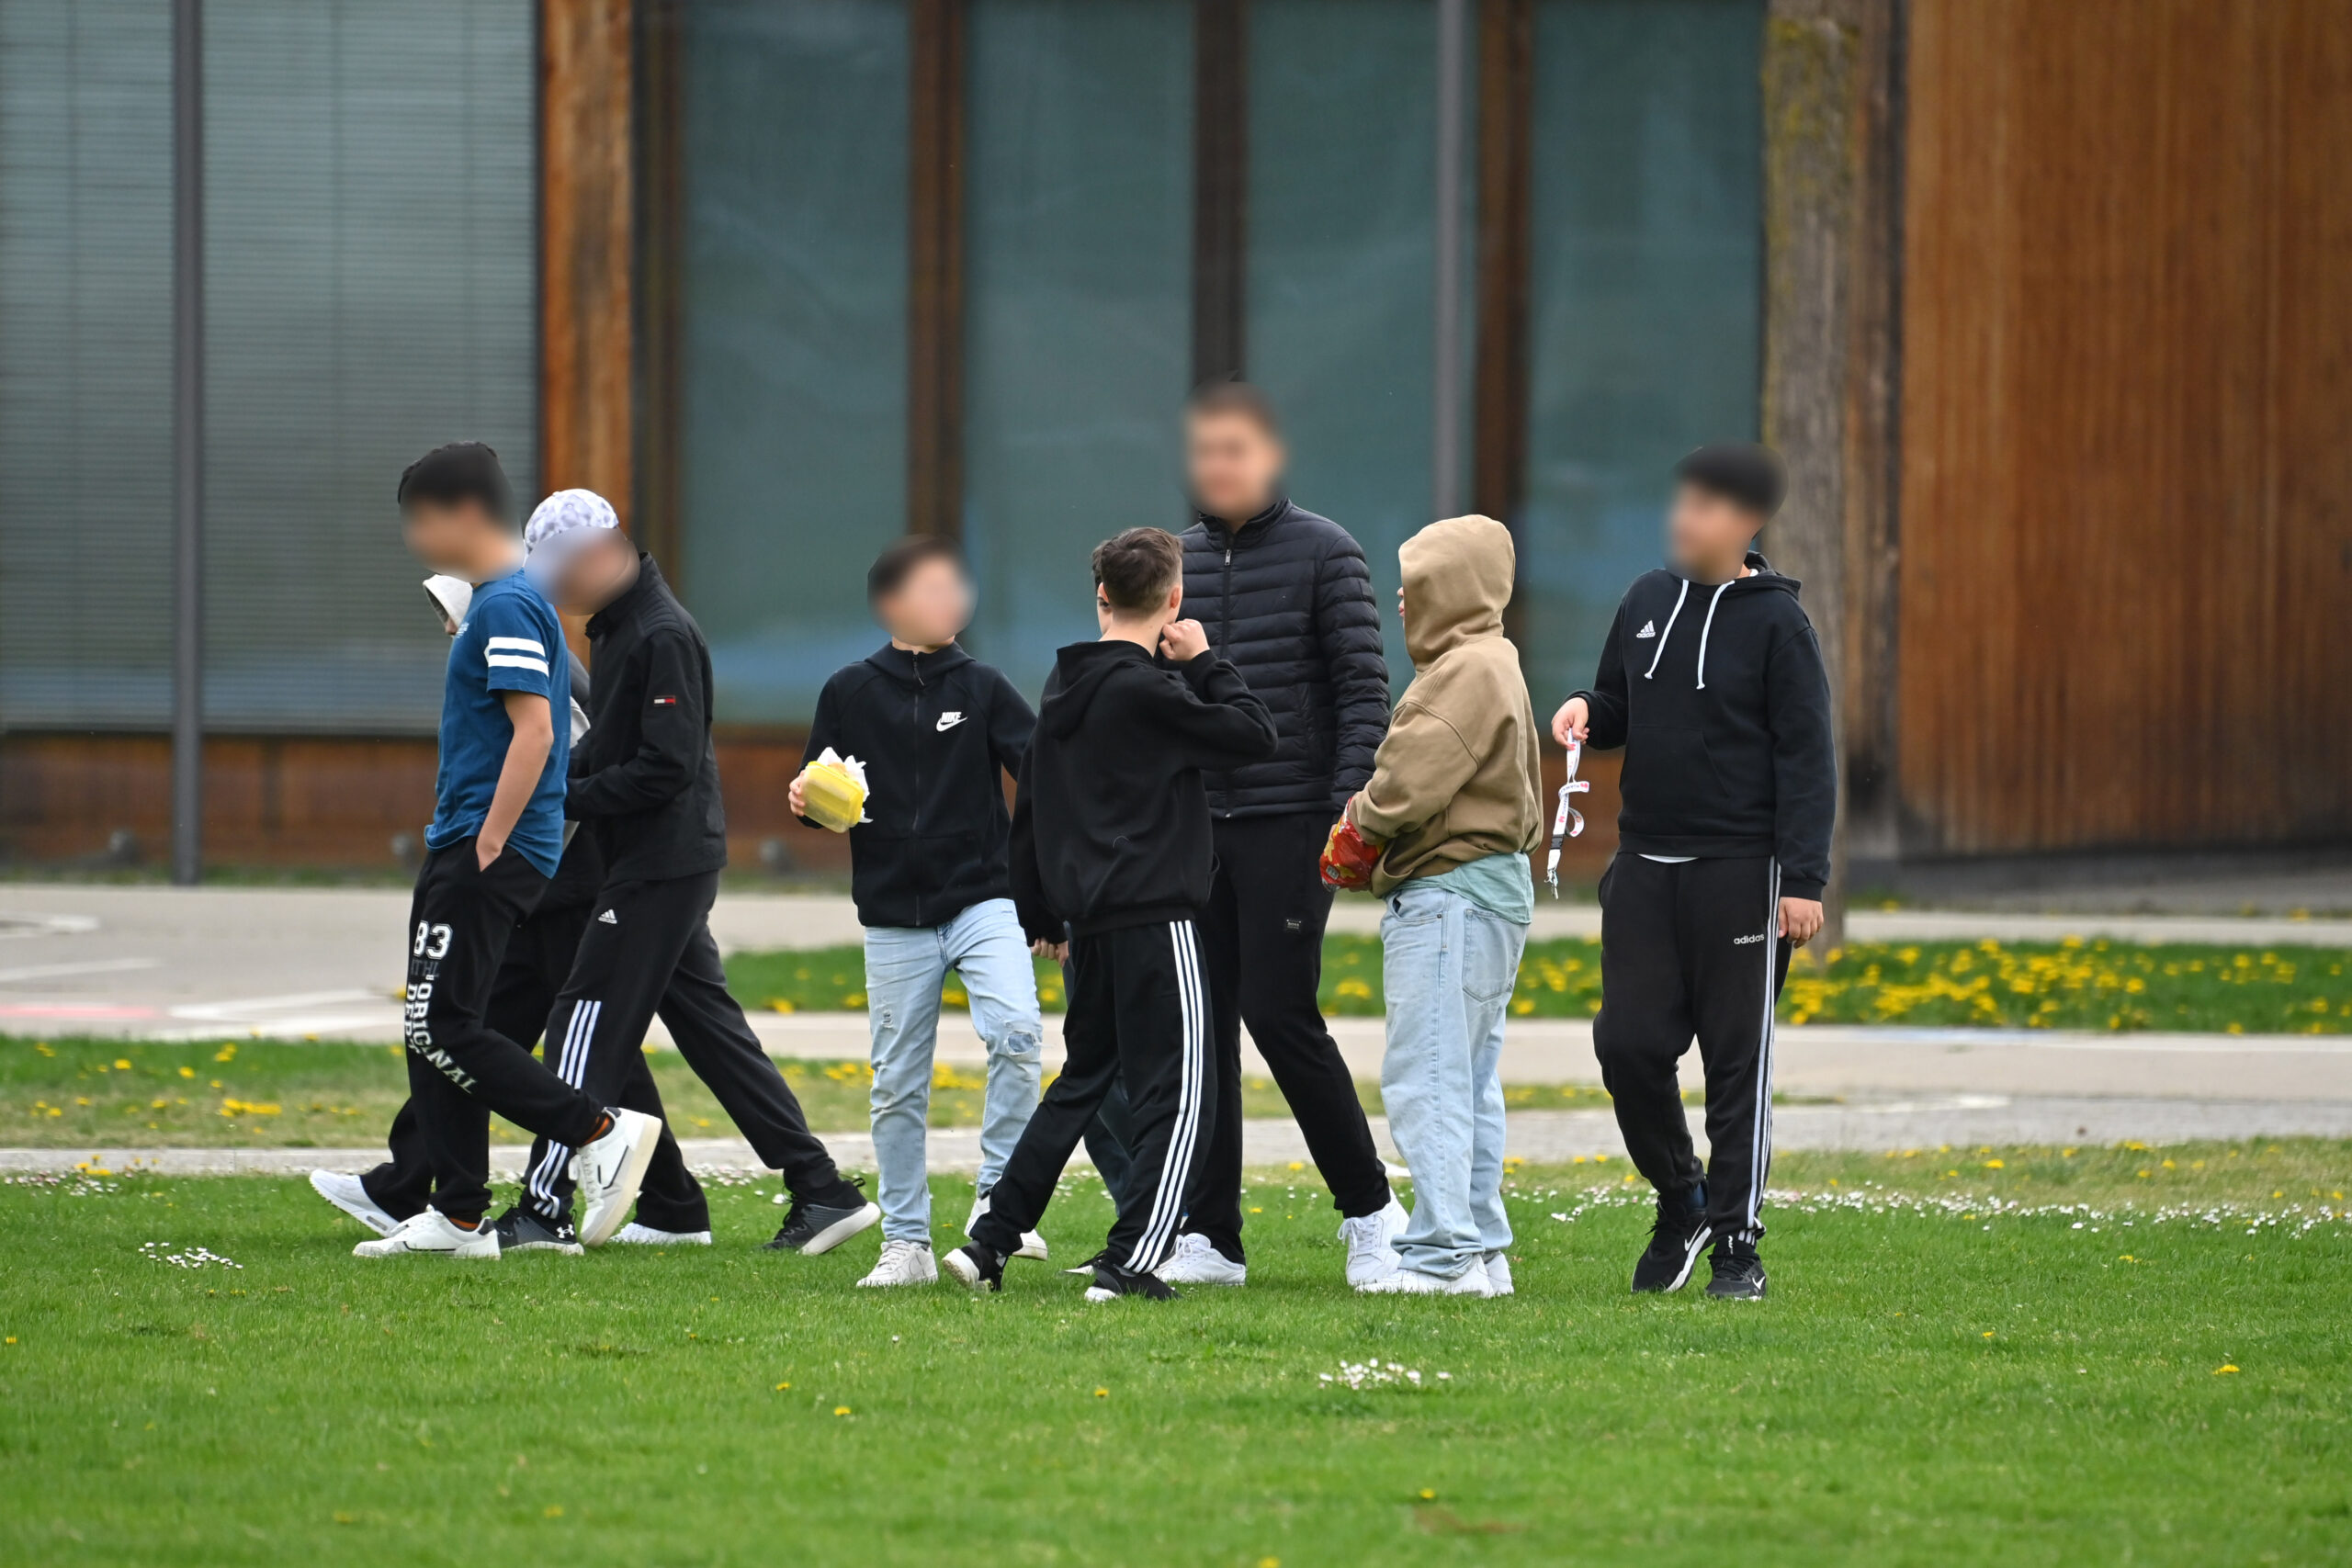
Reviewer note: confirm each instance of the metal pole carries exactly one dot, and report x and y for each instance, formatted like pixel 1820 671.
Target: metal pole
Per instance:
pixel 1445 402
pixel 188 441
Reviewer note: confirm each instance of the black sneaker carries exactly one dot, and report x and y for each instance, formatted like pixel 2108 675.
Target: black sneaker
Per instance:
pixel 1738 1272
pixel 1087 1269
pixel 1111 1282
pixel 974 1267
pixel 1679 1234
pixel 520 1230
pixel 819 1224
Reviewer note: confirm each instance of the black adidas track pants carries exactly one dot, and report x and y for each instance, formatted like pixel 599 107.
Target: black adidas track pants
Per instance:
pixel 1690 948
pixel 1139 1012
pixel 647 948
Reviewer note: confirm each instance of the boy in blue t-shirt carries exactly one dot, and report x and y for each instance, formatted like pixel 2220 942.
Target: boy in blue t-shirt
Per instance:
pixel 497 832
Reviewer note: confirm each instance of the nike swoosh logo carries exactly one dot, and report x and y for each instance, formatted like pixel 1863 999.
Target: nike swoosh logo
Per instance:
pixel 950 720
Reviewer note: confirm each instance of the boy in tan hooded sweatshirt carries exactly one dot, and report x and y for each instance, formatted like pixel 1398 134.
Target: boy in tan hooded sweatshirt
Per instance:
pixel 1440 835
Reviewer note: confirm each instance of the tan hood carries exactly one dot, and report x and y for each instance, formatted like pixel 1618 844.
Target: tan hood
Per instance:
pixel 1457 576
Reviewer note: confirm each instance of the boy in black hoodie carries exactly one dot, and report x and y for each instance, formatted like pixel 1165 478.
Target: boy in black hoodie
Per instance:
pixel 1110 843
pixel 1729 790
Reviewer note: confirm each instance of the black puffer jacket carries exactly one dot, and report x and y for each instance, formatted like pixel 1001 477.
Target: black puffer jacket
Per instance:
pixel 1288 599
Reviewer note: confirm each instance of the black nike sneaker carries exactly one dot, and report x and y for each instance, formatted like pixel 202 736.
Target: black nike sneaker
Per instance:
pixel 1086 1270
pixel 974 1267
pixel 820 1223
pixel 1738 1272
pixel 1679 1234
pixel 520 1230
pixel 1111 1282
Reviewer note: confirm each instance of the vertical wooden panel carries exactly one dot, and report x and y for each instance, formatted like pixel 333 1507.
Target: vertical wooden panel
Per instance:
pixel 585 233
pixel 659 240
pixel 1220 186
pixel 2127 355
pixel 935 267
pixel 1506 135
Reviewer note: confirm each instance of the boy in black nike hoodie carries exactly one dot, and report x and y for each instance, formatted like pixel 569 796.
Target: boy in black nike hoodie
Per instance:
pixel 1111 844
pixel 1711 681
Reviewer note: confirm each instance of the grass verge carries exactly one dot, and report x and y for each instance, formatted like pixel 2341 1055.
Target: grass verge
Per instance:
pixel 1942 1376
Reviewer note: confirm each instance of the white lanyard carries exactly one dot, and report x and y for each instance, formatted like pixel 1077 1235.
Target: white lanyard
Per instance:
pixel 1567 822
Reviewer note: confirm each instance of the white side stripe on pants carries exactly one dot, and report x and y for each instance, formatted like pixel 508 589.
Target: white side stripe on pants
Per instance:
pixel 1761 1153
pixel 1175 1169
pixel 571 1064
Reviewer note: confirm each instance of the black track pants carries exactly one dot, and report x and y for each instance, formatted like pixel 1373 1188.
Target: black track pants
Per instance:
pixel 1689 949
pixel 538 959
pixel 1137 1013
pixel 460 1069
pixel 1262 945
pixel 655 954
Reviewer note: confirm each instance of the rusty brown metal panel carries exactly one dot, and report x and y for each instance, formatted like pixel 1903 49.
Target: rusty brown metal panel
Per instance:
pixel 2126 348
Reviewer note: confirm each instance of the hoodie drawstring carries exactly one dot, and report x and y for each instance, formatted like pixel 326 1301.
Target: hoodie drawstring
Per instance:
pixel 1668 632
pixel 1704 627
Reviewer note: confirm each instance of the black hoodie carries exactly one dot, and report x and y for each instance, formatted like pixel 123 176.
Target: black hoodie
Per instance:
pixel 1718 696
pixel 938 732
pixel 1110 827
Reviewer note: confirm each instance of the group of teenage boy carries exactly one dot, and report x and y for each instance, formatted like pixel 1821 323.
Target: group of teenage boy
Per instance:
pixel 1188 795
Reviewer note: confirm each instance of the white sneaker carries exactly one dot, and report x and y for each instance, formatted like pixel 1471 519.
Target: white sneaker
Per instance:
pixel 349 1194
pixel 1403 1281
pixel 1195 1262
pixel 428 1235
pixel 635 1234
pixel 1499 1275
pixel 1371 1251
pixel 1033 1246
pixel 903 1263
pixel 611 1169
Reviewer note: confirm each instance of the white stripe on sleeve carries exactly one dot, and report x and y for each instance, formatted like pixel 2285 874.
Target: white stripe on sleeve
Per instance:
pixel 515 645
pixel 516 661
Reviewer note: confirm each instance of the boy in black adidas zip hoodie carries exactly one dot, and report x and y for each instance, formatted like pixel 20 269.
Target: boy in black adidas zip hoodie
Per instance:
pixel 1111 842
pixel 938 732
pixel 1711 681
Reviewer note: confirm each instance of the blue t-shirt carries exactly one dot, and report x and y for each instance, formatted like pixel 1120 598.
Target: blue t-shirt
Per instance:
pixel 511 641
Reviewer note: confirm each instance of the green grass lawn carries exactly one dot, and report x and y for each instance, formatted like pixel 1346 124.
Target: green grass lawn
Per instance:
pixel 2061 985
pixel 1952 1370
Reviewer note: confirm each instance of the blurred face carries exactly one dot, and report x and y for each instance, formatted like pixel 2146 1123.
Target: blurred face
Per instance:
pixel 1233 464
pixel 930 608
pixel 447 536
pixel 588 571
pixel 1708 533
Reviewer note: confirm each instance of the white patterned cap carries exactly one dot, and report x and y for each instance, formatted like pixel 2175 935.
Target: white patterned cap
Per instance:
pixel 568 512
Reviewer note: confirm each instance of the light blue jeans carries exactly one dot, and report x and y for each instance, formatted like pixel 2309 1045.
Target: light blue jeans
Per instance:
pixel 1449 966
pixel 905 966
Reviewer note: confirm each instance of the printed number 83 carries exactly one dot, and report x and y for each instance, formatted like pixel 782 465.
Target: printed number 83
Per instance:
pixel 432 942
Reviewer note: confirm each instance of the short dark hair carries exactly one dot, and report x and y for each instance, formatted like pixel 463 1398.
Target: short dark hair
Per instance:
pixel 900 556
pixel 460 471
pixel 1748 476
pixel 1235 397
pixel 1136 568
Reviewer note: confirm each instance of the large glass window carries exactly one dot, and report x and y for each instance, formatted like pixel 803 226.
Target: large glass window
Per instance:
pixel 792 434
pixel 1078 301
pixel 1648 305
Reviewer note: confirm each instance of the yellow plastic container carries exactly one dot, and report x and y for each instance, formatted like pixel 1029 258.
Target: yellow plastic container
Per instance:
pixel 833 796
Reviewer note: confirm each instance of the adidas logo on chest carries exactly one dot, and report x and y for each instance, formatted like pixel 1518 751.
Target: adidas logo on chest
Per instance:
pixel 1650 628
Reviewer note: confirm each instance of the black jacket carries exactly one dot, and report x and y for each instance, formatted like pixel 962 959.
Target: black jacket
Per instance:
pixel 646 779
pixel 938 732
pixel 580 876
pixel 1288 599
pixel 1718 696
pixel 1110 827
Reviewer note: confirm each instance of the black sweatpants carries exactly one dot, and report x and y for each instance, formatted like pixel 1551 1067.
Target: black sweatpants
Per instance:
pixel 1137 1013
pixel 460 1069
pixel 1261 944
pixel 1690 948
pixel 648 949
pixel 539 959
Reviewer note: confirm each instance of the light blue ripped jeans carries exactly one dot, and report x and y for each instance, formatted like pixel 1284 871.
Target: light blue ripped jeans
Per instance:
pixel 905 966
pixel 1449 966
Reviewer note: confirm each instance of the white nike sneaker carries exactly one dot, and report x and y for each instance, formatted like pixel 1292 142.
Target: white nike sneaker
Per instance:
pixel 347 1192
pixel 429 1235
pixel 1403 1281
pixel 903 1263
pixel 635 1234
pixel 611 1169
pixel 1195 1262
pixel 1371 1251
pixel 1033 1246
pixel 1499 1275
